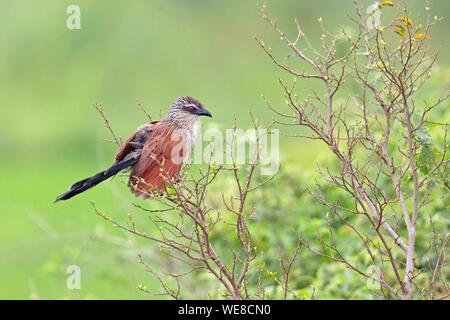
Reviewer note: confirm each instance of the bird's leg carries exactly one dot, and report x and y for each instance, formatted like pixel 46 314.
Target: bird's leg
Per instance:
pixel 178 179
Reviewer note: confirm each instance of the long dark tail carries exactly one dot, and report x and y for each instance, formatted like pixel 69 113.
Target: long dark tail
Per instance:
pixel 85 184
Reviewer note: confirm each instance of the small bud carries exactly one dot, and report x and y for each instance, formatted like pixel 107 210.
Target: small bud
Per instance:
pixel 421 36
pixel 142 287
pixel 407 21
pixel 387 3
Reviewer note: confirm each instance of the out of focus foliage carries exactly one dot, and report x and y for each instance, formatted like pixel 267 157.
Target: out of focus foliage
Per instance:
pixel 288 214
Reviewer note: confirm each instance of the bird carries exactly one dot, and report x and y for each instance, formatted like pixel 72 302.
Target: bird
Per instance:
pixel 154 153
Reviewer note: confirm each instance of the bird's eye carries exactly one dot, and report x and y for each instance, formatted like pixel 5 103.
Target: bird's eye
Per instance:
pixel 190 107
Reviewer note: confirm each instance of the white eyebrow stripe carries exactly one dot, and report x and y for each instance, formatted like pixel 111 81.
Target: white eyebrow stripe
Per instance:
pixel 191 105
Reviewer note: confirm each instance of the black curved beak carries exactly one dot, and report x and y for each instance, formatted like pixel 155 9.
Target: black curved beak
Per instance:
pixel 203 112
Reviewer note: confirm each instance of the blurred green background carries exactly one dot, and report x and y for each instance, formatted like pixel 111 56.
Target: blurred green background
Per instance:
pixel 50 134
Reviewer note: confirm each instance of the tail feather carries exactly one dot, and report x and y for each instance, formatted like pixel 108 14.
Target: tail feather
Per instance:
pixel 85 184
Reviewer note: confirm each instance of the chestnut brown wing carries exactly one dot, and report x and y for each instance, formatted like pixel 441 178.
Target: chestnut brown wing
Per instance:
pixel 157 162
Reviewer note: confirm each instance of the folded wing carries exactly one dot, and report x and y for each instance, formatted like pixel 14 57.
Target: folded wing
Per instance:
pixel 160 160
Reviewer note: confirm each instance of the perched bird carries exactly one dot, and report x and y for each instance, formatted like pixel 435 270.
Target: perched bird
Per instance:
pixel 155 152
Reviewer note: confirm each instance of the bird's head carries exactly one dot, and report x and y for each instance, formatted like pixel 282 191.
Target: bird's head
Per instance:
pixel 187 108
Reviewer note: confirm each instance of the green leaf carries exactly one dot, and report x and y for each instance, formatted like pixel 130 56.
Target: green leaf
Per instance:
pixel 171 191
pixel 399 29
pixel 426 159
pixel 374 77
pixel 423 135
